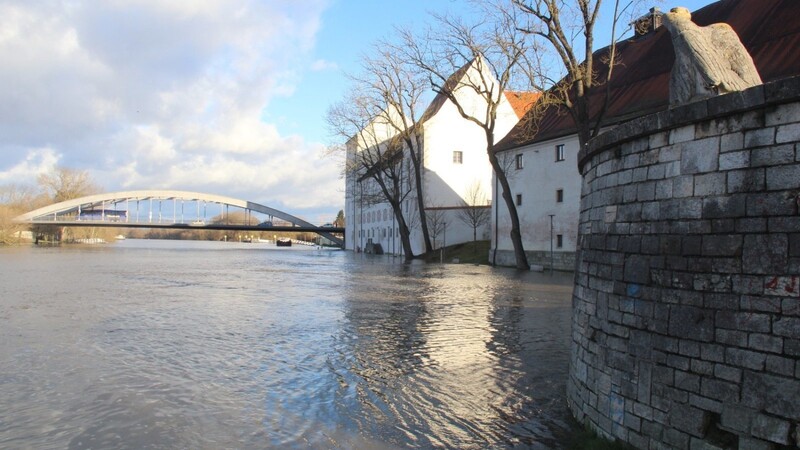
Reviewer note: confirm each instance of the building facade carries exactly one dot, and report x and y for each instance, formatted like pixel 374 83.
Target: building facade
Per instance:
pixel 455 173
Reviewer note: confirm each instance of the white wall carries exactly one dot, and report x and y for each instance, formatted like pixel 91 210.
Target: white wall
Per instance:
pixel 538 181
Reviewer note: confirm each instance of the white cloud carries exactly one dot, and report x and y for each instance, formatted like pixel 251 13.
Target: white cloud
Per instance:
pixel 322 65
pixel 35 162
pixel 154 94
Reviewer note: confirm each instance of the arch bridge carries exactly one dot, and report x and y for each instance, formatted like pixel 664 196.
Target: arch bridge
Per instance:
pixel 168 209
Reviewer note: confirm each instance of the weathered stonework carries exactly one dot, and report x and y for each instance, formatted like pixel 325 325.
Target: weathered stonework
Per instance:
pixel 563 261
pixel 686 321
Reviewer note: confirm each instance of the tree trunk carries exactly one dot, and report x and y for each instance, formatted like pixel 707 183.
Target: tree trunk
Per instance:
pixel 516 237
pixel 423 222
pixel 405 233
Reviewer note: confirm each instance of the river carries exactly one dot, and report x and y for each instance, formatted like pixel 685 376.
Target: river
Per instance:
pixel 206 345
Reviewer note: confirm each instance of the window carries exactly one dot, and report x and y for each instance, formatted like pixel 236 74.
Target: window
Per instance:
pixel 559 195
pixel 458 157
pixel 519 161
pixel 559 152
pixel 519 199
pixel 559 240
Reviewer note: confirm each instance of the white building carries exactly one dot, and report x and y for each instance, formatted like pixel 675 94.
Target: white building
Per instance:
pixel 546 183
pixel 454 162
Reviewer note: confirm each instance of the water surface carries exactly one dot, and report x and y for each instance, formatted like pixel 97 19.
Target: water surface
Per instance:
pixel 167 344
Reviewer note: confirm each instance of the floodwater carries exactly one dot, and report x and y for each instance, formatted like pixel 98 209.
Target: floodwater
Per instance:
pixel 207 345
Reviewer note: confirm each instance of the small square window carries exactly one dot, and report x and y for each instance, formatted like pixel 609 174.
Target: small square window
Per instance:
pixel 559 152
pixel 559 195
pixel 458 157
pixel 559 240
pixel 519 199
pixel 519 161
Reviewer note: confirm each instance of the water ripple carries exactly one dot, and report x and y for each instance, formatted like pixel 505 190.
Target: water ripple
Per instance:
pixel 164 345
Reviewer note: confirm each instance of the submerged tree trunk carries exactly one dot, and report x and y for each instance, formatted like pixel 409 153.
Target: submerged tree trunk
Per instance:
pixel 516 236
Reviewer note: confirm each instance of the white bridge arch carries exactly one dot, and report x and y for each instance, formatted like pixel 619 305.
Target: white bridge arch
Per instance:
pixel 100 202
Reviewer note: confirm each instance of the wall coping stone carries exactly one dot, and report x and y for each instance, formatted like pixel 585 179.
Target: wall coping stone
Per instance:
pixel 774 93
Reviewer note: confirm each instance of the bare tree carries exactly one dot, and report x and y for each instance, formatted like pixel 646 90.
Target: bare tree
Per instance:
pixel 475 212
pixel 400 87
pixel 436 223
pixel 485 58
pixel 568 27
pixel 14 200
pixel 65 184
pixel 374 154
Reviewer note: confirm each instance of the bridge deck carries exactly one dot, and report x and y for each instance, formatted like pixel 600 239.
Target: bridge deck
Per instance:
pixel 186 226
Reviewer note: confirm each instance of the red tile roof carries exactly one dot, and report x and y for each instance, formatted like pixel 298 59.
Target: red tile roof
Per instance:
pixel 769 29
pixel 522 101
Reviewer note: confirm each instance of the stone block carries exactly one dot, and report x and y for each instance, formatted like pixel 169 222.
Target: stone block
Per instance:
pixel 724 206
pixel 710 184
pixel 691 208
pixel 728 373
pixel 719 390
pixel 787 327
pixel 751 225
pixel 780 90
pixel 771 393
pixel 682 134
pixel 772 156
pixel 637 269
pixel 736 101
pixel 700 156
pixel 688 419
pixel 683 186
pixel 783 177
pixel 732 142
pixel 780 365
pixel 708 282
pixel 692 323
pixel 712 352
pixel 687 381
pixel 646 191
pixel 788 133
pixel 743 321
pixel 788 286
pixel 664 189
pixel 750 443
pixel 722 245
pixel 771 204
pixel 659 139
pixel 784 224
pixel 745 358
pixel 759 303
pixel 736 418
pixel 765 254
pixel 771 429
pixel 734 160
pixel 749 180
pixel 782 114
pixel 759 137
pixel 765 343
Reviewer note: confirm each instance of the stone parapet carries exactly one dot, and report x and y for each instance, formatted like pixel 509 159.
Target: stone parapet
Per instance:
pixel 561 261
pixel 686 321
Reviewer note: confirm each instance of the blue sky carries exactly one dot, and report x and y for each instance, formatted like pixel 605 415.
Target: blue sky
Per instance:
pixel 218 96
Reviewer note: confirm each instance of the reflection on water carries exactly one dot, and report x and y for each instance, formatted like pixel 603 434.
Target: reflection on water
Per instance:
pixel 221 345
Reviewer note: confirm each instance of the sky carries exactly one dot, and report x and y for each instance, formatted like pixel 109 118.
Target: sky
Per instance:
pixel 224 97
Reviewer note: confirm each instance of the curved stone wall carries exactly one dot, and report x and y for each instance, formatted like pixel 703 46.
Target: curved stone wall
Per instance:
pixel 686 321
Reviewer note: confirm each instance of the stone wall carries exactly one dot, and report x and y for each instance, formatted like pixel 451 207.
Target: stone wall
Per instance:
pixel 562 261
pixel 686 325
